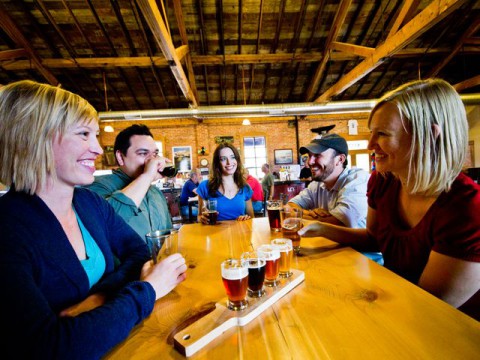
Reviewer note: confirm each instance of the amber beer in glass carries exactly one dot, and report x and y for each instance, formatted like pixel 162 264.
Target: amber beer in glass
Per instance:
pixel 273 211
pixel 272 266
pixel 291 220
pixel 235 281
pixel 286 255
pixel 256 273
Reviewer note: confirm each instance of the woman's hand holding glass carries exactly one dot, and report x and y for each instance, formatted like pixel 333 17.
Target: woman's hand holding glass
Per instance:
pixel 165 275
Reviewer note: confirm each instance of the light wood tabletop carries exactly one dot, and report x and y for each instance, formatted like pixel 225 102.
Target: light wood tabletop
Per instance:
pixel 348 307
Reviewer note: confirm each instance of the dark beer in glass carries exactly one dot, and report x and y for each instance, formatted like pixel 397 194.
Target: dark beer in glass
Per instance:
pixel 256 273
pixel 273 211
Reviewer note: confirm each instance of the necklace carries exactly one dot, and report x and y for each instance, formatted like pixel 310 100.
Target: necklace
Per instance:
pixel 229 191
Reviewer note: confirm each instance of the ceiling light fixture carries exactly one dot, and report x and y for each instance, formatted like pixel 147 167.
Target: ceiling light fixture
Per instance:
pixel 108 128
pixel 246 122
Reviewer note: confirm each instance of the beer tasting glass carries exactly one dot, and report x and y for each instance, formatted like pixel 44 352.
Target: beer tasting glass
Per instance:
pixel 212 211
pixel 256 273
pixel 273 211
pixel 286 255
pixel 272 265
pixel 235 281
pixel 291 220
pixel 155 241
pixel 171 241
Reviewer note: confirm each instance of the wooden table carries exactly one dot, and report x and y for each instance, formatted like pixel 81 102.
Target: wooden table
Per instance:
pixel 348 307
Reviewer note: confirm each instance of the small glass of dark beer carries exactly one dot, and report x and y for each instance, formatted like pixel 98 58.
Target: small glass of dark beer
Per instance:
pixel 286 255
pixel 256 273
pixel 272 265
pixel 235 281
pixel 273 211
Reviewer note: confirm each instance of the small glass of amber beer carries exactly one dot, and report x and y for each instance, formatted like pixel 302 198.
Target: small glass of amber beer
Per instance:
pixel 291 220
pixel 286 255
pixel 235 281
pixel 272 266
pixel 256 273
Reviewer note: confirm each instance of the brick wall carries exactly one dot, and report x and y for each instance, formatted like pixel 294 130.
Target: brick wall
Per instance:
pixel 280 133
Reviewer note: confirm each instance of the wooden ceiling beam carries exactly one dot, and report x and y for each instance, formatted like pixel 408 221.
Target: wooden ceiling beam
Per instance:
pixel 13 54
pixel 407 6
pixel 155 21
pixel 425 20
pixel 458 46
pixel 210 60
pixel 362 51
pixel 332 35
pixel 467 84
pixel 11 29
pixel 177 6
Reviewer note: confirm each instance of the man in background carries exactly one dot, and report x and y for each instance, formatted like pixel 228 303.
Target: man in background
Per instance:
pixel 268 182
pixel 336 195
pixel 189 190
pixel 129 188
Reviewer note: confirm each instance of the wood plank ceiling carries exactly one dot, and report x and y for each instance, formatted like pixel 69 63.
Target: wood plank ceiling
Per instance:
pixel 145 54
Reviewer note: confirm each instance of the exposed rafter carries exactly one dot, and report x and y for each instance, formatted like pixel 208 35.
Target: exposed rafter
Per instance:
pixel 430 16
pixel 155 21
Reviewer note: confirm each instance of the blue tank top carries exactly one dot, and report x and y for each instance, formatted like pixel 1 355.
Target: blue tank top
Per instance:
pixel 94 264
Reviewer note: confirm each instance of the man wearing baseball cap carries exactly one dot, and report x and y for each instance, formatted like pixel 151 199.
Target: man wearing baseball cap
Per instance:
pixel 336 195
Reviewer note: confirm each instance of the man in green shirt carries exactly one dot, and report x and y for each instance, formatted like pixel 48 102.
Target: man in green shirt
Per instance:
pixel 129 188
pixel 267 182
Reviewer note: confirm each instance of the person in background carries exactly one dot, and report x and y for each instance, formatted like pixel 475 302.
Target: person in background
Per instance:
pixel 424 213
pixel 228 185
pixel 189 190
pixel 257 197
pixel 62 298
pixel 336 195
pixel 305 173
pixel 268 182
pixel 129 188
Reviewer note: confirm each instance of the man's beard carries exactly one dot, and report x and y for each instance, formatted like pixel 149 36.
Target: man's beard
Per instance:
pixel 325 173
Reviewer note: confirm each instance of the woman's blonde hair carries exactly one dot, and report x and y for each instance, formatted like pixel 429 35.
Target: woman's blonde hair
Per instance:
pixel 436 157
pixel 32 116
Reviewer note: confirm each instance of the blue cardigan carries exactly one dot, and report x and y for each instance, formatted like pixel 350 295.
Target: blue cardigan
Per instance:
pixel 40 275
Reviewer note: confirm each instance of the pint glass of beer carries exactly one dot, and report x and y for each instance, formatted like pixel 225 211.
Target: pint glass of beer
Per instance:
pixel 291 220
pixel 212 211
pixel 273 211
pixel 272 266
pixel 235 281
pixel 286 254
pixel 256 273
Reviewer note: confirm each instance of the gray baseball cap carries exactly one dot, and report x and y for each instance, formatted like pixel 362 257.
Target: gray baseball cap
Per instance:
pixel 329 141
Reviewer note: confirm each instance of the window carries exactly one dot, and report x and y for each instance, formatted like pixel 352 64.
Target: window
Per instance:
pixel 255 154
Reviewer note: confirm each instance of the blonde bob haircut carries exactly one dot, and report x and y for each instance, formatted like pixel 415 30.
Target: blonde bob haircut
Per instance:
pixel 32 116
pixel 437 153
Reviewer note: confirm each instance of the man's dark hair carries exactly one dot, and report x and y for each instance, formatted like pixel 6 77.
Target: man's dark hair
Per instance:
pixel 122 141
pixel 345 163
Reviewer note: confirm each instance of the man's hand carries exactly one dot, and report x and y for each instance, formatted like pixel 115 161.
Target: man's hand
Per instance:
pixel 315 214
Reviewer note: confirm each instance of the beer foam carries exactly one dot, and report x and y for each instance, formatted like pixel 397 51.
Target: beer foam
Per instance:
pixel 292 223
pixel 236 273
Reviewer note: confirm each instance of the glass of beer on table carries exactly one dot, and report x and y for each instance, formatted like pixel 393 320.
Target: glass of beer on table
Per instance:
pixel 272 265
pixel 212 211
pixel 291 220
pixel 256 272
pixel 273 211
pixel 286 254
pixel 235 281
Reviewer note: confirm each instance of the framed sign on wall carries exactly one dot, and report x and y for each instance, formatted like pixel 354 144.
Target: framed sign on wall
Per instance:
pixel 182 158
pixel 283 156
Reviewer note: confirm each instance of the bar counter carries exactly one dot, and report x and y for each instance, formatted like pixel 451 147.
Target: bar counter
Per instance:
pixel 348 307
